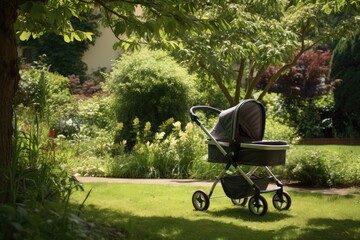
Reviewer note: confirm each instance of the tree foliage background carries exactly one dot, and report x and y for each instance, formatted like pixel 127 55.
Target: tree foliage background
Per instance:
pixel 346 66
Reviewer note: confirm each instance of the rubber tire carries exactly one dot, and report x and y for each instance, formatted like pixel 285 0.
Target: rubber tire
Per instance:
pixel 258 205
pixel 282 203
pixel 200 200
pixel 240 201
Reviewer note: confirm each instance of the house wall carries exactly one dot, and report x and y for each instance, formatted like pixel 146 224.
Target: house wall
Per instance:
pixel 102 53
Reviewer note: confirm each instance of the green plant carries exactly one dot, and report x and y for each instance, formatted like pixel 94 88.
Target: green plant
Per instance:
pixel 65 57
pixel 151 86
pixel 39 206
pixel 322 167
pixel 345 64
pixel 310 117
pixel 162 156
pixel 96 112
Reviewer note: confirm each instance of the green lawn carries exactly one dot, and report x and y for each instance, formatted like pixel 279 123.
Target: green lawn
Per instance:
pixel 341 149
pixel 166 212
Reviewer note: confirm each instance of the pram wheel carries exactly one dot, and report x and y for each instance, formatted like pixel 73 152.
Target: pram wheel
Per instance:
pixel 281 201
pixel 200 200
pixel 258 205
pixel 239 201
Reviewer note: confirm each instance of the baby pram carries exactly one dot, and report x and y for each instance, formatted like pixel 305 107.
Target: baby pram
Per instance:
pixel 237 139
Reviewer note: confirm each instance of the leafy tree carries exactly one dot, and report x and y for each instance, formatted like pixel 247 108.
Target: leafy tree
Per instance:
pixel 258 35
pixel 35 18
pixel 345 66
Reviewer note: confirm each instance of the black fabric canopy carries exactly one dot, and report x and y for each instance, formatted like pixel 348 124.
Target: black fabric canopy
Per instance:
pixel 243 123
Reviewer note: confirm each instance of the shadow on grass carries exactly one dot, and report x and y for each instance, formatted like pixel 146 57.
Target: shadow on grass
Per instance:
pixel 175 228
pixel 244 214
pixel 322 228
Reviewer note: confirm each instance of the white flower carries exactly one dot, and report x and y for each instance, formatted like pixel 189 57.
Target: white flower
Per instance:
pixel 159 136
pixel 69 122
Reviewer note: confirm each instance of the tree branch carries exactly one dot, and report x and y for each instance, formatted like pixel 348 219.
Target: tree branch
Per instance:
pixel 254 82
pixel 238 80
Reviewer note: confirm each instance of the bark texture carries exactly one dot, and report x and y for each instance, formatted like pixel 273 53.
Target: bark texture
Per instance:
pixel 9 79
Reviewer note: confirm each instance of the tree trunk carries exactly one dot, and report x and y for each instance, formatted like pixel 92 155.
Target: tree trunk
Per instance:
pixel 9 79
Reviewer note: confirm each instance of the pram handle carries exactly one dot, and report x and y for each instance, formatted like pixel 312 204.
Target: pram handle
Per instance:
pixel 195 117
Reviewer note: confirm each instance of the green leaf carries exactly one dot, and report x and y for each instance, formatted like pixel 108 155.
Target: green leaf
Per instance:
pixel 67 38
pixel 25 36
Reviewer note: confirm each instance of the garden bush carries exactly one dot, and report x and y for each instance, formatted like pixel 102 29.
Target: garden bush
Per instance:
pixel 345 66
pixel 151 86
pixel 41 90
pixel 314 167
pixel 309 118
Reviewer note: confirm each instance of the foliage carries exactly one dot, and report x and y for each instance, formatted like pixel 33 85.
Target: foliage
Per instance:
pixel 65 57
pixel 315 167
pixel 88 88
pixel 256 36
pixel 149 85
pixel 36 221
pixel 42 91
pixel 307 99
pixel 96 112
pixel 166 156
pixel 308 79
pixel 39 207
pixel 275 126
pixel 310 117
pixel 345 65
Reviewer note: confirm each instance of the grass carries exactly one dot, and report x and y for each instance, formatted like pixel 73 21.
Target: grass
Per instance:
pixel 166 212
pixel 340 149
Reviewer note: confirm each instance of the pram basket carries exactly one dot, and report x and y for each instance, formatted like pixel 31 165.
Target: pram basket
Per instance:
pixel 237 139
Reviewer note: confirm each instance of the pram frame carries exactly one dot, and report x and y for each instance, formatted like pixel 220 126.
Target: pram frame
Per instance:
pixel 247 176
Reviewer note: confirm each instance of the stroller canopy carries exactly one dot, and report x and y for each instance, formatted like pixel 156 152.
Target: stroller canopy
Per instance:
pixel 243 123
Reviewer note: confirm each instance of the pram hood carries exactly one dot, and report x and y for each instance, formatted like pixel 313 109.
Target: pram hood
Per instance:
pixel 244 122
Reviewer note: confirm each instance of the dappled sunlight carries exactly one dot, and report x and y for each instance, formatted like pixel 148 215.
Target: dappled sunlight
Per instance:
pixel 153 211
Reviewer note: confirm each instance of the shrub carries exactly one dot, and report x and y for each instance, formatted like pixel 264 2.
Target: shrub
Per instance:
pixel 96 112
pixel 345 66
pixel 41 90
pixel 151 86
pixel 315 167
pixel 310 118
pixel 62 57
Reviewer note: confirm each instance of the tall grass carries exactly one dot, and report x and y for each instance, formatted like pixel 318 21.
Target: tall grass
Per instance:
pixel 40 188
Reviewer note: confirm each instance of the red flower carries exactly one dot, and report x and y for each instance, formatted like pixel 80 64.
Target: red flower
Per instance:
pixel 52 133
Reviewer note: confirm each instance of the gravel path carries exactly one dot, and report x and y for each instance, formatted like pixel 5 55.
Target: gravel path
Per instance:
pixel 201 183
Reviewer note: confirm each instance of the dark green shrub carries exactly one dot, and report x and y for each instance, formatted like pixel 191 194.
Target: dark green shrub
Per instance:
pixel 151 86
pixel 311 117
pixel 345 66
pixel 63 57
